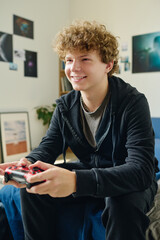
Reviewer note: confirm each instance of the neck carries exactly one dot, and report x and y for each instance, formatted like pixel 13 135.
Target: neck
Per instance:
pixel 94 99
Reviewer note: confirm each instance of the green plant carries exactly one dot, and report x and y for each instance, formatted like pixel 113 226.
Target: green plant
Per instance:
pixel 45 113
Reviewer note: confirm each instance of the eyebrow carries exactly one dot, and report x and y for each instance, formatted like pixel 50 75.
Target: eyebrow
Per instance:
pixel 85 55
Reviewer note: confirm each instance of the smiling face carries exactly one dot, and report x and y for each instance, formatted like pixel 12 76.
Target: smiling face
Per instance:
pixel 86 71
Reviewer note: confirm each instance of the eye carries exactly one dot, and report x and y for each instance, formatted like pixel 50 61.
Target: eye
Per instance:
pixel 85 59
pixel 68 60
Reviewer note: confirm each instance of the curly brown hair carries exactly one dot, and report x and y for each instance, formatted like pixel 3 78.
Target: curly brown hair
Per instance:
pixel 87 36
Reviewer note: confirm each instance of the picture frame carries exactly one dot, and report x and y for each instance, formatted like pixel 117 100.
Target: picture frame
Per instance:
pixel 23 27
pixel 30 64
pixel 0 153
pixel 6 47
pixel 146 53
pixel 15 135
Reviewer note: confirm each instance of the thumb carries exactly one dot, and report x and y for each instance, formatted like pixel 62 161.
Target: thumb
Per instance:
pixel 41 165
pixel 1 172
pixel 24 162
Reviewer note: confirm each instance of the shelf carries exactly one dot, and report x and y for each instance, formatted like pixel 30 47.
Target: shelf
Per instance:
pixel 64 92
pixel 64 85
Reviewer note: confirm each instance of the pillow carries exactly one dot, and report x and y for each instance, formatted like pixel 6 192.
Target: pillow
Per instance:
pixel 157 154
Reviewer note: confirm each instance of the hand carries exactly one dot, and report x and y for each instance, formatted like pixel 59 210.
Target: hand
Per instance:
pixel 24 162
pixel 59 182
pixel 3 166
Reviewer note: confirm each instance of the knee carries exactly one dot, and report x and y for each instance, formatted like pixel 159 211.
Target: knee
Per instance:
pixel 8 192
pixel 127 204
pixel 122 210
pixel 117 207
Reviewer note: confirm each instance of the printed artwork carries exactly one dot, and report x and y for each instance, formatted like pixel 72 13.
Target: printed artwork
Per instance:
pixel 0 153
pixel 146 53
pixel 6 47
pixel 13 66
pixel 15 137
pixel 124 60
pixel 22 27
pixel 20 54
pixel 30 64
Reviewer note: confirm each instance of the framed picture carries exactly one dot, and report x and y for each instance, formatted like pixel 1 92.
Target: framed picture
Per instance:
pixel 15 135
pixel 30 64
pixel 0 153
pixel 146 53
pixel 23 27
pixel 6 47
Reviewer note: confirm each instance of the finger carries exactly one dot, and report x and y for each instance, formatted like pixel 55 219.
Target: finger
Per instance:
pixel 1 179
pixel 3 166
pixel 41 188
pixel 41 165
pixel 36 178
pixel 42 176
pixel 23 162
pixel 15 184
pixel 1 172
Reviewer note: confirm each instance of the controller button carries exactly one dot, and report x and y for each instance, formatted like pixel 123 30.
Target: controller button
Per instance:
pixel 37 169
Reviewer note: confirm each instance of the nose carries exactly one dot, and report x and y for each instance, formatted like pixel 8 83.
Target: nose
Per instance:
pixel 75 66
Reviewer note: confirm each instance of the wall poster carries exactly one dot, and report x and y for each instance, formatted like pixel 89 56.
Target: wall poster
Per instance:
pixel 146 53
pixel 22 27
pixel 30 64
pixel 6 47
pixel 15 135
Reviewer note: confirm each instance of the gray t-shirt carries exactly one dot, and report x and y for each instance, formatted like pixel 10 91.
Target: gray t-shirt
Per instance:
pixel 91 120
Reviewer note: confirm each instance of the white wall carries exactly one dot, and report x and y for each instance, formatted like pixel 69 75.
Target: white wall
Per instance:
pixel 19 93
pixel 125 19
pixel 122 17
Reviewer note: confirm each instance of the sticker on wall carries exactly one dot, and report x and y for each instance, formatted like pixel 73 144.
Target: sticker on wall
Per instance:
pixel 124 59
pixel 20 55
pixel 22 27
pixel 146 53
pixel 127 66
pixel 13 66
pixel 124 46
pixel 30 65
pixel 6 47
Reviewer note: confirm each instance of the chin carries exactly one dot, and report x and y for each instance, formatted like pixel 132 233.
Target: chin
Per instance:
pixel 76 88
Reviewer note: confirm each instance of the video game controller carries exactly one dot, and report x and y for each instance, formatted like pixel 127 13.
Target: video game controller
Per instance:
pixel 20 173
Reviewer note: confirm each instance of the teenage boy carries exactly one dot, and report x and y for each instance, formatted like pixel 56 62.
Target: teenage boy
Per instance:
pixel 107 124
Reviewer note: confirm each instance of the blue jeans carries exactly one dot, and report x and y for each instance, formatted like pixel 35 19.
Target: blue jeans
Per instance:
pixel 10 197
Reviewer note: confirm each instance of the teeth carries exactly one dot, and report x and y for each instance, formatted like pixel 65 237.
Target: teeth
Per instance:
pixel 77 78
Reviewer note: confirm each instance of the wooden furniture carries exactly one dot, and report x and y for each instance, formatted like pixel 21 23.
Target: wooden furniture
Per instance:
pixel 64 87
pixel 64 84
pixel 70 157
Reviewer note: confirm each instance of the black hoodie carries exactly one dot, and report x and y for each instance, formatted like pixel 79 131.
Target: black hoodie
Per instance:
pixel 132 164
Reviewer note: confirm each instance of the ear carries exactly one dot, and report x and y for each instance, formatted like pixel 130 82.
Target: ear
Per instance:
pixel 109 66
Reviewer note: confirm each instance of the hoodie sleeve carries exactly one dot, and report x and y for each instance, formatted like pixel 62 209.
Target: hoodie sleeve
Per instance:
pixel 51 145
